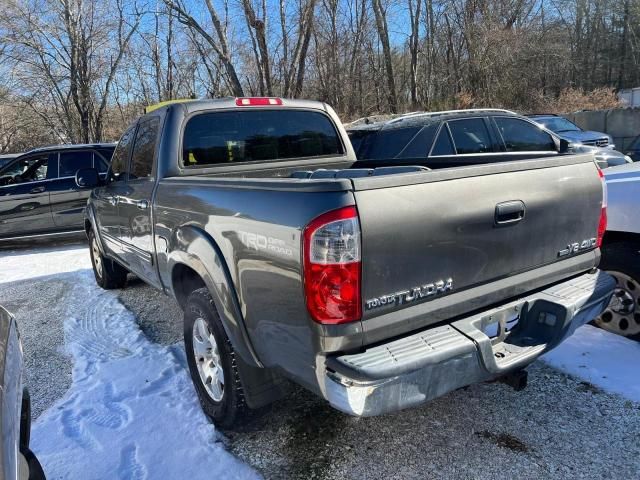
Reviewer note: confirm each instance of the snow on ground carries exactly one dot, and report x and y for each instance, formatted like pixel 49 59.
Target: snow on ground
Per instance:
pixel 131 411
pixel 31 264
pixel 608 361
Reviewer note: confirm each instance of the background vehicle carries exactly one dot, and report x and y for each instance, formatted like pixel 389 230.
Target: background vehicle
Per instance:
pixel 38 193
pixel 17 461
pixel 604 157
pixel 376 288
pixel 621 250
pixel 6 158
pixel 571 132
pixel 453 139
pixel 634 150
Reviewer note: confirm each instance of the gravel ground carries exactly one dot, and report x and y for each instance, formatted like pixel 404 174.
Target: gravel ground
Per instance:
pixel 158 315
pixel 38 313
pixel 559 427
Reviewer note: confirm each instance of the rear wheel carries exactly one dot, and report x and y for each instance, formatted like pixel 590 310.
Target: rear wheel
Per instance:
pixel 212 361
pixel 622 316
pixel 109 274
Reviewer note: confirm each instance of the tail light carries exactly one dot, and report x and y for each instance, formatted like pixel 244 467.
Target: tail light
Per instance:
pixel 332 269
pixel 602 224
pixel 257 101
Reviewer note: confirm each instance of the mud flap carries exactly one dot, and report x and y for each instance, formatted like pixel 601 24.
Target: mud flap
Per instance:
pixel 261 386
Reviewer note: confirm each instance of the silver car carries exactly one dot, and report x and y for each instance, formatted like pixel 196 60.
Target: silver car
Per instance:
pixel 17 461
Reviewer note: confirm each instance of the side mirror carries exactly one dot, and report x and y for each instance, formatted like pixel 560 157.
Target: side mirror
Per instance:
pixel 564 146
pixel 87 178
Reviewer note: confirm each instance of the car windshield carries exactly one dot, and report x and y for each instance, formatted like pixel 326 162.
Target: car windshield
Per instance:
pixel 558 124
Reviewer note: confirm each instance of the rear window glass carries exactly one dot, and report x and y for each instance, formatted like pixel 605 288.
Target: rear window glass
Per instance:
pixel 252 135
pixel 360 140
pixel 389 143
pixel 470 136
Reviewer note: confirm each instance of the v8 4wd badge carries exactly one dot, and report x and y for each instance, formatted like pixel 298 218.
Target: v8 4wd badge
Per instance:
pixel 578 247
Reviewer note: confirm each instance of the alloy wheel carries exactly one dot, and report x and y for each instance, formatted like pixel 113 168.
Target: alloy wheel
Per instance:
pixel 207 357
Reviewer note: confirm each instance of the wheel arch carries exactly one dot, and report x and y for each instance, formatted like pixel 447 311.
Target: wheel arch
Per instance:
pixel 194 261
pixel 90 224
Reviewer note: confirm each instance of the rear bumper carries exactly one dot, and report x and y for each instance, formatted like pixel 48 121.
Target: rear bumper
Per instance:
pixel 425 365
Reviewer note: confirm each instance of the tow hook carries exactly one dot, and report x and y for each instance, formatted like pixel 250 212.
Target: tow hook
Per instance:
pixel 516 380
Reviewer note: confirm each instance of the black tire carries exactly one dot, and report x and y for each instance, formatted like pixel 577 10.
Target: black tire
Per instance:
pixel 25 420
pixel 109 274
pixel 35 469
pixel 622 316
pixel 231 408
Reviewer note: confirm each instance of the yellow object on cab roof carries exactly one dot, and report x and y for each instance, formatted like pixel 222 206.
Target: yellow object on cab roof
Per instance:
pixel 151 108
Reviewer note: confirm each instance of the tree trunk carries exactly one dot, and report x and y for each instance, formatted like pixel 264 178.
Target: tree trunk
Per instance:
pixel 381 24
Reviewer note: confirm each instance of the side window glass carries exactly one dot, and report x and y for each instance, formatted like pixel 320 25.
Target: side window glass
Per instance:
pixel 419 146
pixel 32 170
pixel 144 149
pixel 443 145
pixel 522 136
pixel 99 163
pixel 71 162
pixel 118 170
pixel 102 164
pixel 470 136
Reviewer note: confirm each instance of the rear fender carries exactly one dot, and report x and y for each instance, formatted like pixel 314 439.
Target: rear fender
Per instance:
pixel 192 247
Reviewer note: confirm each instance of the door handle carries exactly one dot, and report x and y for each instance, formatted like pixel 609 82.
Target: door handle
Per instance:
pixel 39 189
pixel 509 213
pixel 141 204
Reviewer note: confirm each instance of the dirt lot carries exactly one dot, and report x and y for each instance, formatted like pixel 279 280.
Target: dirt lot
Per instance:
pixel 559 427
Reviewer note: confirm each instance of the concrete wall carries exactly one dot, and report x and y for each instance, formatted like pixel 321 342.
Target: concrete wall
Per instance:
pixel 623 124
pixel 630 96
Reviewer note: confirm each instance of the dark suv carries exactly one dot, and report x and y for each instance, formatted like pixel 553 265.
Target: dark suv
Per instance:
pixel 572 132
pixel 38 192
pixel 454 138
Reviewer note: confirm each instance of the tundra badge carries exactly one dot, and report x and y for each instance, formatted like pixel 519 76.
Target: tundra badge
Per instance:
pixel 411 295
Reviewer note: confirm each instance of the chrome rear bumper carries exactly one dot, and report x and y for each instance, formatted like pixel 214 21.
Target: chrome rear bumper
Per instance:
pixel 425 365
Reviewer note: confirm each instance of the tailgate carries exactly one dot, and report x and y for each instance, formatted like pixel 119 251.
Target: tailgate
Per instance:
pixel 429 235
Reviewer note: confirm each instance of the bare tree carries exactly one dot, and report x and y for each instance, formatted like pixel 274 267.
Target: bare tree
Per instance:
pixel 383 33
pixel 219 43
pixel 66 49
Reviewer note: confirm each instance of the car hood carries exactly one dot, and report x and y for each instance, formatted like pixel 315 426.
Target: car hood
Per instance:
pixel 583 136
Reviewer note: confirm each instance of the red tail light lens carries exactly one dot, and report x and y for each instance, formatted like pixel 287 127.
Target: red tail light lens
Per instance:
pixel 332 268
pixel 602 224
pixel 257 101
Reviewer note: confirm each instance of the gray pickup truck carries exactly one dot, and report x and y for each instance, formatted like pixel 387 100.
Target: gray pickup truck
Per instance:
pixel 376 288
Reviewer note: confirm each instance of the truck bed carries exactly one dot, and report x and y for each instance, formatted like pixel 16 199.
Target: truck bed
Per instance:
pixel 417 229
